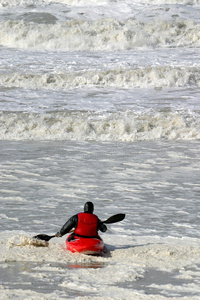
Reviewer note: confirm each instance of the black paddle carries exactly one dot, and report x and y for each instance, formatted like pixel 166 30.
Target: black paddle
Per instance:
pixel 113 219
pixel 43 237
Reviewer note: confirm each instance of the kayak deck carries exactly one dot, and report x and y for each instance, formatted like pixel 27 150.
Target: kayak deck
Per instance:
pixel 85 245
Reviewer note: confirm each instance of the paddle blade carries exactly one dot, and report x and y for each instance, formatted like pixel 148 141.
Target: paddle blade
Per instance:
pixel 43 237
pixel 114 219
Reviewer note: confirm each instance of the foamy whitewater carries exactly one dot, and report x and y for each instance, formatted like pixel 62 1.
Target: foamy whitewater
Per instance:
pixel 100 101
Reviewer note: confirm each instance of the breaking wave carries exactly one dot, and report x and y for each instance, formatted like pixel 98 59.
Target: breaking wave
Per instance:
pixel 25 3
pixel 12 3
pixel 126 127
pixel 139 77
pixel 100 35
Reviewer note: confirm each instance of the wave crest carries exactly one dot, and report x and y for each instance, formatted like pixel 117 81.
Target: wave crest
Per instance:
pixel 126 127
pixel 100 35
pixel 140 77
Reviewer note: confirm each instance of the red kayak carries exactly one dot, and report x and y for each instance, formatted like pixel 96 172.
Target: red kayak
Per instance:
pixel 85 245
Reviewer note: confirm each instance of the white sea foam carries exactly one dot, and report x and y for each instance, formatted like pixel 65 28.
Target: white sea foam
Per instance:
pixel 114 127
pixel 2 216
pixel 100 35
pixel 142 77
pixel 53 261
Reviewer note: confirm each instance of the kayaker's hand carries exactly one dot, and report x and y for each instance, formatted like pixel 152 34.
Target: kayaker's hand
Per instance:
pixel 58 234
pixel 105 228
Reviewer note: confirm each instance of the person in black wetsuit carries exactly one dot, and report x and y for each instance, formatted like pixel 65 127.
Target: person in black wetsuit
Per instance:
pixel 86 224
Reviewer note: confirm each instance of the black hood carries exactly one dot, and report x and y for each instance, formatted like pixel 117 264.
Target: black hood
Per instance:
pixel 89 207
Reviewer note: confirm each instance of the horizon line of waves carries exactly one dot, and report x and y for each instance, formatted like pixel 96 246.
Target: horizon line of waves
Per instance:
pixel 100 35
pixel 139 77
pixel 119 127
pixel 34 3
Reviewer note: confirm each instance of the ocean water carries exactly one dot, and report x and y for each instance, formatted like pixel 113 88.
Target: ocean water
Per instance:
pixel 100 101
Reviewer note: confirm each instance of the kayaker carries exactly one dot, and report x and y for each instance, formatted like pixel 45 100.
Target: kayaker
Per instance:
pixel 86 224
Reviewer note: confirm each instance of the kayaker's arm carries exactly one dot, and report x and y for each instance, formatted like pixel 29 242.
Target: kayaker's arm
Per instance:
pixel 70 224
pixel 101 226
